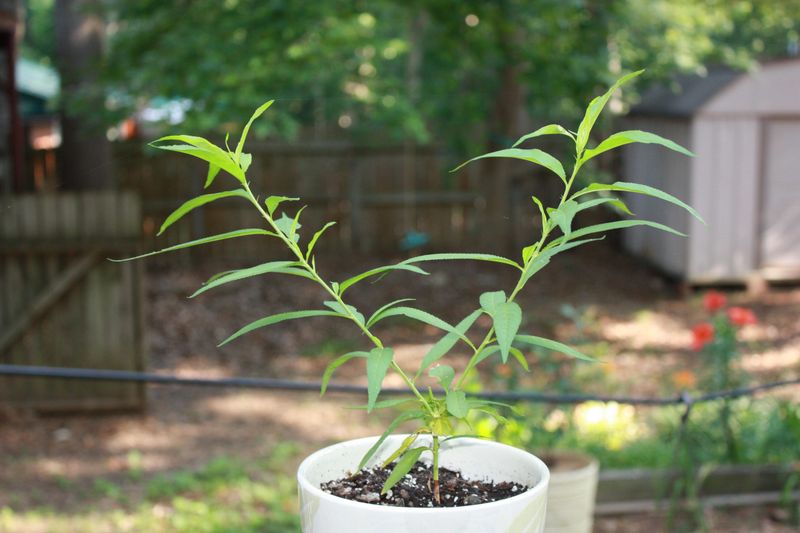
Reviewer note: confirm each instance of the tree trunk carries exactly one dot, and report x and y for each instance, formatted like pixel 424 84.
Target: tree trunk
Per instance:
pixel 85 153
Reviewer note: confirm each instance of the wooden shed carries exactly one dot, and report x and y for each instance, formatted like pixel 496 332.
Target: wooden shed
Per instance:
pixel 744 180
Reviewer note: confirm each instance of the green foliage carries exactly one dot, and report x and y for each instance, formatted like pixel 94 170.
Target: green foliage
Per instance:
pixel 436 415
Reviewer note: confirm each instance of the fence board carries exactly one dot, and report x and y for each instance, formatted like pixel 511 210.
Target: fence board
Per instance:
pixel 62 305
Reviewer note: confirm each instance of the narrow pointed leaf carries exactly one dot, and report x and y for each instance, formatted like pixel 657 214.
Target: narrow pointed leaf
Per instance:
pixel 280 317
pixel 257 113
pixel 553 345
pixel 272 202
pixel 403 417
pixel 405 445
pixel 377 313
pixel 621 224
pixel 486 353
pixel 205 240
pixel 343 286
pixel 462 257
pixel 316 237
pixel 520 357
pixel 235 275
pixel 507 318
pixel 446 343
pixel 378 364
pixel 556 247
pixel 563 216
pixel 618 204
pixel 595 108
pixel 550 129
pixel 213 170
pixel 385 404
pixel 403 467
pixel 424 317
pixel 533 156
pixel 199 201
pixel 633 136
pixel 444 374
pixel 202 149
pixel 638 188
pixel 336 363
pixel 456 402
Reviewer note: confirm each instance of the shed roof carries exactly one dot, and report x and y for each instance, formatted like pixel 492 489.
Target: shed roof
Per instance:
pixel 686 94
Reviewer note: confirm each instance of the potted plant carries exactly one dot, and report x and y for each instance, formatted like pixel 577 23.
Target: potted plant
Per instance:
pixel 432 479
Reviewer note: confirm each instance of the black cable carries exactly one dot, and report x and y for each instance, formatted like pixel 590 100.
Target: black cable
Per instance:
pixel 290 385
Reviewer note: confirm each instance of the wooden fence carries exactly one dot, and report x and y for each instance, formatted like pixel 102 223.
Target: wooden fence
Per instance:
pixel 377 195
pixel 63 304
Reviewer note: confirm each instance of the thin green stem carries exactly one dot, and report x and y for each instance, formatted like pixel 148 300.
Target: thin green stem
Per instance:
pixel 435 469
pixel 334 294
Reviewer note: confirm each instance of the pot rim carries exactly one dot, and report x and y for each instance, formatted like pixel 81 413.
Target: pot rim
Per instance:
pixel 531 493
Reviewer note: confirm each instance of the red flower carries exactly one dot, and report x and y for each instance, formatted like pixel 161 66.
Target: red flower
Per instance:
pixel 702 334
pixel 740 316
pixel 714 301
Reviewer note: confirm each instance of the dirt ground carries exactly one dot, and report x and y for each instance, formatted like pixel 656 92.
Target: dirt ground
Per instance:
pixel 643 320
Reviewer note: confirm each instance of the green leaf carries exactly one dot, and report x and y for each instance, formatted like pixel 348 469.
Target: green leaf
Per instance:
pixel 257 113
pixel 287 226
pixel 633 136
pixel 205 240
pixel 336 363
pixel 292 271
pixel 245 160
pixel 556 247
pixel 385 404
pixel 533 156
pixel 377 313
pixel 462 257
pixel 563 216
pixel 595 108
pixel 486 353
pixel 446 343
pixel 280 317
pixel 198 202
pixel 316 237
pixel 235 275
pixel 422 316
pixel 343 286
pixel 518 355
pixel 336 306
pixel 444 374
pixel 405 445
pixel 202 149
pixel 620 224
pixel 490 300
pixel 550 129
pixel 213 170
pixel 403 417
pixel 618 204
pixel 456 402
pixel 507 318
pixel 378 364
pixel 638 188
pixel 272 202
pixel 404 465
pixel 553 345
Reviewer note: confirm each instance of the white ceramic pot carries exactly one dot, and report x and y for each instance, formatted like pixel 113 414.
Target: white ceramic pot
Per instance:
pixel 475 459
pixel 573 486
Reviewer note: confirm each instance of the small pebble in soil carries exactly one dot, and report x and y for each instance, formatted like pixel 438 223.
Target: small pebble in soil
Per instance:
pixel 412 490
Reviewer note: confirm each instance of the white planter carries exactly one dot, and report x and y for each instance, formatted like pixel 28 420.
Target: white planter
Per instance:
pixel 476 459
pixel 571 496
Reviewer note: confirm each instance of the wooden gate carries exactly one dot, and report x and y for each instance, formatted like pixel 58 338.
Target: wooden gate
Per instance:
pixel 63 304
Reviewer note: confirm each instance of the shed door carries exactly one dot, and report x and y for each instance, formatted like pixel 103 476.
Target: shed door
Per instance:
pixel 780 242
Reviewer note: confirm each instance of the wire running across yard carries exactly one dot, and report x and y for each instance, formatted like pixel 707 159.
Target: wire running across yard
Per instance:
pixel 291 385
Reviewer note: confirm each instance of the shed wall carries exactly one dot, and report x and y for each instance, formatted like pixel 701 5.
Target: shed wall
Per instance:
pixel 669 171
pixel 724 189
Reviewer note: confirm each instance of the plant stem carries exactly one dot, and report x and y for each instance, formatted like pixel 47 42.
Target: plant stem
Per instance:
pixel 336 296
pixel 435 469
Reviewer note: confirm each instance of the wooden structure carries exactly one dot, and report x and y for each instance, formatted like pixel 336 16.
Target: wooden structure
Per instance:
pixel 377 196
pixel 745 129
pixel 63 304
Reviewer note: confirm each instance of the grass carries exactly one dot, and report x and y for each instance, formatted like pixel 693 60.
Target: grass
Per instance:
pixel 225 495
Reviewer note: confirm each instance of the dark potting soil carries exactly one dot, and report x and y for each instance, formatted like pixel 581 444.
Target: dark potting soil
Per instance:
pixel 415 489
